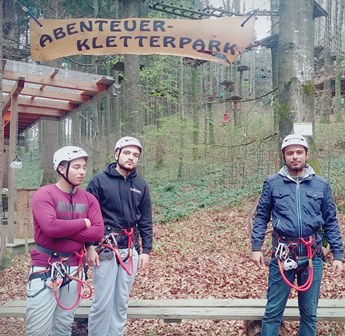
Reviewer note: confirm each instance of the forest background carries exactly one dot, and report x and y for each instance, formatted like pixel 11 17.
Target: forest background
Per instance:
pixel 210 133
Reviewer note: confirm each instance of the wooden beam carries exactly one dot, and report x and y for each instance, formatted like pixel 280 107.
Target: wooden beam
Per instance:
pixel 57 82
pixel 76 98
pixel 93 100
pixel 28 116
pixel 34 112
pixel 175 310
pixel 6 117
pixel 15 90
pixel 46 103
pixel 52 75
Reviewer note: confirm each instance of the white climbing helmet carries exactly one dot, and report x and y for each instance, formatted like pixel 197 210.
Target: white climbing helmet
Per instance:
pixel 127 141
pixel 295 139
pixel 68 153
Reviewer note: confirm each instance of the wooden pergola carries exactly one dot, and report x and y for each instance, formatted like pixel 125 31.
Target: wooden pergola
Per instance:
pixel 34 92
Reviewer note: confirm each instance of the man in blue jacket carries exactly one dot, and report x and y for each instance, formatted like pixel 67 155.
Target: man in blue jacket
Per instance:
pixel 125 203
pixel 302 210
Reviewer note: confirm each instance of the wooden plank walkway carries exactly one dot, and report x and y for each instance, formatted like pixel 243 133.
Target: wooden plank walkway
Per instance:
pixel 175 310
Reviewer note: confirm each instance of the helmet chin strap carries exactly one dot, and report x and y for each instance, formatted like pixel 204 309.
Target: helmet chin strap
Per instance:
pixel 65 177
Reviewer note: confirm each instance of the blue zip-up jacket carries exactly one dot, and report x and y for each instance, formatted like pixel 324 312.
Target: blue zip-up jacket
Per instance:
pixel 297 208
pixel 125 203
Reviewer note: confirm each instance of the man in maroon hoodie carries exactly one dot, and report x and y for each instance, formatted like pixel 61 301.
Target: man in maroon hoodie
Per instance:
pixel 65 218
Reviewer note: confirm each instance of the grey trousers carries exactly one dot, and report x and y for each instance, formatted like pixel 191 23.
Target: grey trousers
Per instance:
pixel 43 316
pixel 112 286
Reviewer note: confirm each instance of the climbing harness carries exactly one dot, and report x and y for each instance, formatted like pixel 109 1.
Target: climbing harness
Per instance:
pixel 110 242
pixel 286 263
pixel 57 276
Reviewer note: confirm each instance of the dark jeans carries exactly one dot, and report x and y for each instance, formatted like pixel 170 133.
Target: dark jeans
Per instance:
pixel 278 294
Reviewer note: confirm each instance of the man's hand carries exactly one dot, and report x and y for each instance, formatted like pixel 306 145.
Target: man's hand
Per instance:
pixel 92 257
pixel 144 260
pixel 337 267
pixel 87 223
pixel 258 259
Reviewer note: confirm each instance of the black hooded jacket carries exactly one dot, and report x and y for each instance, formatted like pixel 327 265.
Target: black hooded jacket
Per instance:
pixel 125 203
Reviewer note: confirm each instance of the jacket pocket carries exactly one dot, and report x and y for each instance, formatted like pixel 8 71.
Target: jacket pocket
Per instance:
pixel 282 200
pixel 315 194
pixel 314 198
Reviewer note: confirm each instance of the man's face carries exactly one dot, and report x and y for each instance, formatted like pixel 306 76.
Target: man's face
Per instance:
pixel 76 171
pixel 295 157
pixel 127 158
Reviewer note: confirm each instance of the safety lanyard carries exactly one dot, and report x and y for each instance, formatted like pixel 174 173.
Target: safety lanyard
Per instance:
pixel 110 242
pixel 285 263
pixel 59 274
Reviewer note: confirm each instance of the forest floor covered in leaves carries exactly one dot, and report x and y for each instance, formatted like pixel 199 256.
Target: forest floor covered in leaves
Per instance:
pixel 204 256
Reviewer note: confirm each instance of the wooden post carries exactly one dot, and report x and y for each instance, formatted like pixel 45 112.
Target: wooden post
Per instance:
pixel 17 88
pixel 24 222
pixel 11 183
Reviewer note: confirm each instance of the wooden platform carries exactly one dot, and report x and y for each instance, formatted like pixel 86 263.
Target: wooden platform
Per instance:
pixel 174 311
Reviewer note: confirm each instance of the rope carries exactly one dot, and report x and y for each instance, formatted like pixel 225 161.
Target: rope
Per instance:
pixel 309 281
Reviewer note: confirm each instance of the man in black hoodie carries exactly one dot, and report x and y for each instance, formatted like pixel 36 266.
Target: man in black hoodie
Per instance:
pixel 125 202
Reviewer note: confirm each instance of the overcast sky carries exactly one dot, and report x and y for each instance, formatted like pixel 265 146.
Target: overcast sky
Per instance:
pixel 262 23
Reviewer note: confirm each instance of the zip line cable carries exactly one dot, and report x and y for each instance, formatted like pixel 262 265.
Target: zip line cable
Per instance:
pixel 26 10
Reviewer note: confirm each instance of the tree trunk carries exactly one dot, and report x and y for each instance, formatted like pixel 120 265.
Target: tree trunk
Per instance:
pixel 327 91
pixel 195 110
pixel 108 129
pixel 133 120
pixel 160 137
pixel 274 54
pixel 2 231
pixel 48 132
pixel 338 32
pixel 209 110
pixel 236 107
pixel 10 32
pixel 296 64
pixel 49 137
pixel 181 111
